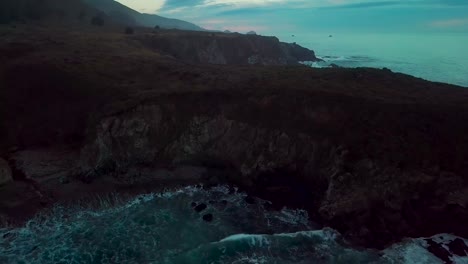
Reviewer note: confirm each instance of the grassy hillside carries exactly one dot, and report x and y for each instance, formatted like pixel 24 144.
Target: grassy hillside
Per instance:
pixel 82 70
pixel 127 15
pixel 82 12
pixel 70 11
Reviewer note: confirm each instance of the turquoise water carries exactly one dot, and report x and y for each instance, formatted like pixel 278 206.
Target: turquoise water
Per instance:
pixel 435 57
pixel 166 228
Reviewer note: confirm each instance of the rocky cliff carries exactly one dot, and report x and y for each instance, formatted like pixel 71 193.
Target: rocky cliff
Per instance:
pixel 374 182
pixel 369 152
pixel 226 48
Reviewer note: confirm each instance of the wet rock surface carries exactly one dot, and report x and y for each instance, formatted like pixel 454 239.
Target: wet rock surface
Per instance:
pixel 438 250
pixel 458 247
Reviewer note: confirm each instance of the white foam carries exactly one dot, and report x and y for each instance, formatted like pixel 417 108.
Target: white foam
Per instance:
pixel 326 234
pixel 287 220
pixel 294 216
pixel 335 58
pixel 316 64
pixel 251 260
pixel 409 252
pixel 254 240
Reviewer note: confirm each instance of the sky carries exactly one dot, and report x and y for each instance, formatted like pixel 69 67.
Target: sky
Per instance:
pixel 328 16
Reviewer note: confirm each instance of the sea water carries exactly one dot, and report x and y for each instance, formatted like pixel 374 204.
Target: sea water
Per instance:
pixel 432 56
pixel 166 228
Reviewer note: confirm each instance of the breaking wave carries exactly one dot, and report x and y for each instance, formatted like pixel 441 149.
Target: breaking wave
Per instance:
pixel 342 61
pixel 171 227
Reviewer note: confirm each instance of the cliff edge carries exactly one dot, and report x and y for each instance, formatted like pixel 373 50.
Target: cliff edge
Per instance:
pixel 225 48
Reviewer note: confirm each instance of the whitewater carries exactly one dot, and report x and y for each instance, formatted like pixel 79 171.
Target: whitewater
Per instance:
pixel 170 227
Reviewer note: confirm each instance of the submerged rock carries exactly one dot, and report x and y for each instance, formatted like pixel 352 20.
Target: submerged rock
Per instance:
pixel 200 207
pixel 208 217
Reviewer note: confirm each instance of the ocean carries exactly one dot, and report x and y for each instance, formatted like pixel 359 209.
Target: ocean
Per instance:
pixel 434 57
pixel 192 225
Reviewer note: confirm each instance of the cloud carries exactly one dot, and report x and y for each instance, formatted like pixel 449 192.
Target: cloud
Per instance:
pixel 178 4
pixel 365 4
pixel 274 16
pixel 450 23
pixel 145 6
pixel 203 6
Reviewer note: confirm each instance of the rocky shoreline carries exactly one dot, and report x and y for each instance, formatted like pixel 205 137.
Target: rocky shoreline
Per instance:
pixel 370 153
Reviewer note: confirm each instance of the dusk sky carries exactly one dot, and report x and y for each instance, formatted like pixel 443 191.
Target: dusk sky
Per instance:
pixel 274 16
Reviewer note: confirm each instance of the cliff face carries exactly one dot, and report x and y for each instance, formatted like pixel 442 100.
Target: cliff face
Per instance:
pixel 375 182
pixel 224 48
pixel 369 152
